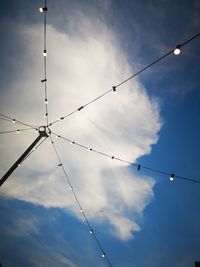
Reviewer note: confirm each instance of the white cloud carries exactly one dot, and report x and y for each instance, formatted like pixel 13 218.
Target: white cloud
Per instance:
pixel 124 125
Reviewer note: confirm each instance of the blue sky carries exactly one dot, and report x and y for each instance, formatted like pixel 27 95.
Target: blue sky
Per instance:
pixel 140 219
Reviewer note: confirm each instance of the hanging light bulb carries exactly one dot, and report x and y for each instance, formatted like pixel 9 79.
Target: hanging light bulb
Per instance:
pixel 42 9
pixel 171 178
pixel 34 148
pixel 177 50
pixel 18 131
pixel 36 130
pixel 91 231
pixel 19 165
pixel 103 255
pixel 45 53
pixel 81 210
pixel 46 101
pixel 13 121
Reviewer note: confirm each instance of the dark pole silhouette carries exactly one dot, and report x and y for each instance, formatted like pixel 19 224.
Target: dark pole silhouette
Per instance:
pixel 42 133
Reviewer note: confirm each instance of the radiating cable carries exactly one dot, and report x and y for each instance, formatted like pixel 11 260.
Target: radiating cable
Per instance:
pixel 126 80
pixel 91 230
pixel 13 120
pixel 139 166
pixel 17 131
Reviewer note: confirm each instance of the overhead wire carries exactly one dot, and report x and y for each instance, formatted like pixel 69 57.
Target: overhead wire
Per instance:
pixel 114 88
pixel 91 229
pixel 17 131
pixel 139 166
pixel 44 80
pixel 13 120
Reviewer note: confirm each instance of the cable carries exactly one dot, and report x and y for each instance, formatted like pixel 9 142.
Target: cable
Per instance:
pixel 139 166
pixel 127 79
pixel 44 80
pixel 91 230
pixel 17 121
pixel 17 131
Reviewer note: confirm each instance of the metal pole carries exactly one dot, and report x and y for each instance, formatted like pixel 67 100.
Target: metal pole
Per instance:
pixel 16 164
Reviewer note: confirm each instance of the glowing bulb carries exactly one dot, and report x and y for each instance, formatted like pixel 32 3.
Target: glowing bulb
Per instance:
pixel 42 9
pixel 81 211
pixel 19 165
pixel 34 148
pixel 18 131
pixel 57 136
pixel 172 177
pixel 177 50
pixel 70 188
pixel 36 130
pixel 45 53
pixel 91 231
pixel 103 255
pixel 13 121
pixel 46 102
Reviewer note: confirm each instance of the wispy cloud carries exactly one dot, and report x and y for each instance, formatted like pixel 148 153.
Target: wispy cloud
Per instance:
pixel 79 68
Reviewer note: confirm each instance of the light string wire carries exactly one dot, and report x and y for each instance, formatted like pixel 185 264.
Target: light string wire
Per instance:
pixel 171 175
pixel 44 79
pixel 91 230
pixel 13 120
pixel 126 80
pixel 17 131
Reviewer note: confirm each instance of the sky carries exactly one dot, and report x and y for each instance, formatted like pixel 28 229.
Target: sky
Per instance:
pixel 140 218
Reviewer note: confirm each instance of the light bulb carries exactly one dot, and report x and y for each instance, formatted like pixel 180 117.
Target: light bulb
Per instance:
pixel 171 177
pixel 42 9
pixel 103 255
pixel 177 50
pixel 18 131
pixel 19 165
pixel 46 101
pixel 91 231
pixel 45 53
pixel 13 121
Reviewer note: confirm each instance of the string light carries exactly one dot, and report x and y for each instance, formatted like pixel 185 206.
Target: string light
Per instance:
pixel 139 166
pixel 79 205
pixel 91 231
pixel 13 121
pixel 19 165
pixel 18 131
pixel 46 101
pixel 42 9
pixel 45 53
pixel 177 50
pixel 172 177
